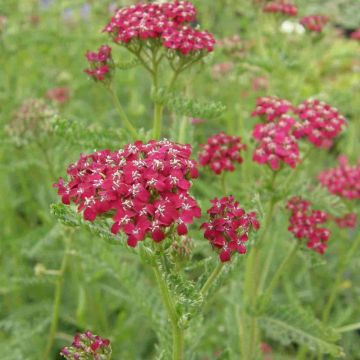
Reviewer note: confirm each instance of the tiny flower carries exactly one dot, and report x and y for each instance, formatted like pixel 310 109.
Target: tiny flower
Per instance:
pixel 59 95
pixel 305 224
pixel 292 27
pixel 271 107
pixel 144 187
pixel 319 123
pixel 343 181
pixel 221 152
pixel 101 63
pixel 87 346
pixel 281 7
pixel 314 23
pixel 228 227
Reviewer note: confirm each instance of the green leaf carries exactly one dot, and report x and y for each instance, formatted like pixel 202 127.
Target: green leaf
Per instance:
pixel 291 324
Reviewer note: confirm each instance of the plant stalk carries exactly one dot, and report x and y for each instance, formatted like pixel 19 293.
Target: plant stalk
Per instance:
pixel 216 272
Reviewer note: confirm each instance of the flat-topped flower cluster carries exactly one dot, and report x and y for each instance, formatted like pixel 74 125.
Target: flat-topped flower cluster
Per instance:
pixel 281 7
pixel 144 187
pixel 228 227
pixel 164 22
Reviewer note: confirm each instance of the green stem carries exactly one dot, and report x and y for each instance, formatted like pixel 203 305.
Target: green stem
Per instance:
pixel 178 333
pixel 351 327
pixel 211 278
pixel 122 114
pixel 223 183
pixel 57 300
pixel 339 275
pixel 182 130
pixel 157 124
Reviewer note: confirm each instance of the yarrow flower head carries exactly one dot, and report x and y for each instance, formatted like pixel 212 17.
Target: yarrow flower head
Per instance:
pixel 347 221
pixel 232 46
pixel 145 187
pixel 276 144
pixel 228 227
pixel 59 95
pixel 221 152
pixel 343 181
pixel 32 120
pixel 305 224
pixel 163 22
pixel 101 63
pixel 87 346
pixel 281 7
pixel 314 23
pixel 355 35
pixel 320 123
pixel 271 107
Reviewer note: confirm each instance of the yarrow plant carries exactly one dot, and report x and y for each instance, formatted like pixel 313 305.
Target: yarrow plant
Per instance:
pixel 314 23
pixel 87 346
pixel 271 107
pixel 305 223
pixel 281 7
pixel 221 152
pixel 228 227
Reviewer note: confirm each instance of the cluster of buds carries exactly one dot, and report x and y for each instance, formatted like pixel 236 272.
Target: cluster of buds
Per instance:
pixel 228 227
pixel 281 7
pixel 276 144
pixel 87 346
pixel 161 23
pixel 271 107
pixel 346 221
pixel 314 23
pixel 305 224
pixel 32 121
pixel 319 123
pixel 101 63
pixel 221 152
pixel 145 187
pixel 344 180
pixel 232 46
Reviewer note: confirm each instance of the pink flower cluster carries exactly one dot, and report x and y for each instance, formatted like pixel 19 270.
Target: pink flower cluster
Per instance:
pixel 314 23
pixel 59 95
pixel 355 35
pixel 305 224
pixel 221 152
pixel 344 180
pixel 281 7
pixel 164 22
pixel 271 107
pixel 346 221
pixel 100 63
pixel 276 144
pixel 228 227
pixel 319 123
pixel 145 187
pixel 87 346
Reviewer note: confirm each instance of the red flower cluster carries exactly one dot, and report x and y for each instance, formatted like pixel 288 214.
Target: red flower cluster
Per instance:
pixel 228 227
pixel 304 224
pixel 87 346
pixel 100 63
pixel 60 95
pixel 343 181
pixel 346 221
pixel 276 143
pixel 320 122
pixel 144 186
pixel 221 152
pixel 314 23
pixel 355 35
pixel 161 21
pixel 271 107
pixel 281 7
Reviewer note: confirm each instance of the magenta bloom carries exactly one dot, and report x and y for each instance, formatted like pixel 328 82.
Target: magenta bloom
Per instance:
pixel 314 23
pixel 271 107
pixel 221 152
pixel 343 181
pixel 100 63
pixel 355 35
pixel 319 123
pixel 144 187
pixel 347 221
pixel 87 346
pixel 276 144
pixel 281 7
pixel 228 227
pixel 305 224
pixel 162 22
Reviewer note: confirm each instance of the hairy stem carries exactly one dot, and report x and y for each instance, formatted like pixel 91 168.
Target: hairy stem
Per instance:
pixel 57 300
pixel 216 272
pixel 177 332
